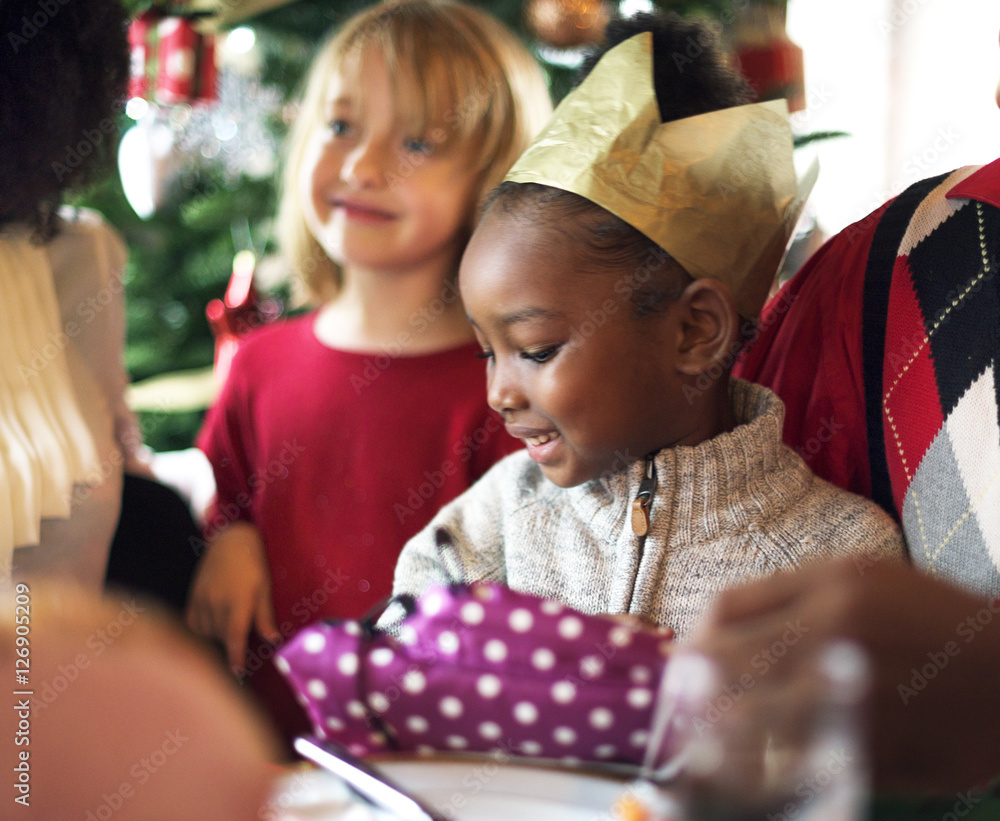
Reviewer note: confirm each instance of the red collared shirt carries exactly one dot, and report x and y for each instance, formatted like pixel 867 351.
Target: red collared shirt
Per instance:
pixel 809 350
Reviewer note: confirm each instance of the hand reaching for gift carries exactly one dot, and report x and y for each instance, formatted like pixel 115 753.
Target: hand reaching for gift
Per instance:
pixel 231 593
pixel 932 648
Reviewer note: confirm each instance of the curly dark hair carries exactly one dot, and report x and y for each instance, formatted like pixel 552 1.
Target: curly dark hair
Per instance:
pixel 690 76
pixel 64 68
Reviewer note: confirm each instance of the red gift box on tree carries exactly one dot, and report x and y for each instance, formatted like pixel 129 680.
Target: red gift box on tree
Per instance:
pixel 184 59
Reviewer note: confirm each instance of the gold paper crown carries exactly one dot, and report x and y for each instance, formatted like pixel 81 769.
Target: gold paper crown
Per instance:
pixel 716 191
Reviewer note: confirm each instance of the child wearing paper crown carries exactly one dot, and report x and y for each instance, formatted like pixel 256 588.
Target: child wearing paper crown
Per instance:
pixel 608 281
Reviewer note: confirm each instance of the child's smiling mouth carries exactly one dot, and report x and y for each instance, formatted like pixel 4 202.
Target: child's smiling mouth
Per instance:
pixel 541 445
pixel 362 211
pixel 535 441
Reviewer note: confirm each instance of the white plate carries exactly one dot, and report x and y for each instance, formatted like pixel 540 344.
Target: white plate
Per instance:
pixel 495 791
pixel 465 790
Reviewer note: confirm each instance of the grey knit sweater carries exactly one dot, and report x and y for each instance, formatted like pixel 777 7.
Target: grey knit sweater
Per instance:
pixel 735 507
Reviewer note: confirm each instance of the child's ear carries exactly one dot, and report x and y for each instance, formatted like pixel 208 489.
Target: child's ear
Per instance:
pixel 709 325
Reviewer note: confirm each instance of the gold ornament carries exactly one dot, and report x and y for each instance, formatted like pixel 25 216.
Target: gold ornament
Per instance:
pixel 567 23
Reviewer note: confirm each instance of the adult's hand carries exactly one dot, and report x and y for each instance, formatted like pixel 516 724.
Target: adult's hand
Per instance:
pixel 934 652
pixel 232 592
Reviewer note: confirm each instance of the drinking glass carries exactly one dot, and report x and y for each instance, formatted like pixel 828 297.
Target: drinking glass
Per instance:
pixel 789 752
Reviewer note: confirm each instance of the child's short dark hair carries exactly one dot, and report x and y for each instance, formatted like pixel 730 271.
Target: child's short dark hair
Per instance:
pixel 690 77
pixel 63 74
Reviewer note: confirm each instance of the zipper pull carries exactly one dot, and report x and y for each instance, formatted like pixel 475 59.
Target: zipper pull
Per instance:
pixel 644 499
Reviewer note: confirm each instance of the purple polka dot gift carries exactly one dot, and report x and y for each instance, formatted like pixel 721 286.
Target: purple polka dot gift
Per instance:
pixel 477 668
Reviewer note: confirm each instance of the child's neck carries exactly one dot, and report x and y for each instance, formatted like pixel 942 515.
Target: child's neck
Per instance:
pixel 720 417
pixel 710 418
pixel 400 313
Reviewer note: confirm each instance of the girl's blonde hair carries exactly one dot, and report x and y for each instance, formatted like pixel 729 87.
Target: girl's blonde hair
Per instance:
pixel 468 76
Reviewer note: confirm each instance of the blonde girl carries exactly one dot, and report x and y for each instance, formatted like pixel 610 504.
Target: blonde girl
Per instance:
pixel 341 432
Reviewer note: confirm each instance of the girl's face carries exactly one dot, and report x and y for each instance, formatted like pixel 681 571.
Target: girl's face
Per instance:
pixel 584 383
pixel 377 195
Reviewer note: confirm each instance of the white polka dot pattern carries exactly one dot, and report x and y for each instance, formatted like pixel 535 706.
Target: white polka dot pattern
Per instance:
pixel 478 669
pixel 495 650
pixel 525 712
pixel 570 627
pixel 314 643
pixel 564 735
pixel 472 613
pixel 381 657
pixel 563 692
pixel 489 686
pixel 591 666
pixel 378 702
pixel 639 698
pixel 448 642
pixel 414 682
pixel 640 675
pixel 601 718
pixel 521 620
pixel 490 730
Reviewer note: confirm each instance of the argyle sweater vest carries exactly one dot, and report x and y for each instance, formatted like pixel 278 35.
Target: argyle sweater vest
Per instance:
pixel 931 336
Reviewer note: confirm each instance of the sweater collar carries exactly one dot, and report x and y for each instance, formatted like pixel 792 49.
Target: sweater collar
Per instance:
pixel 727 484
pixel 982 185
